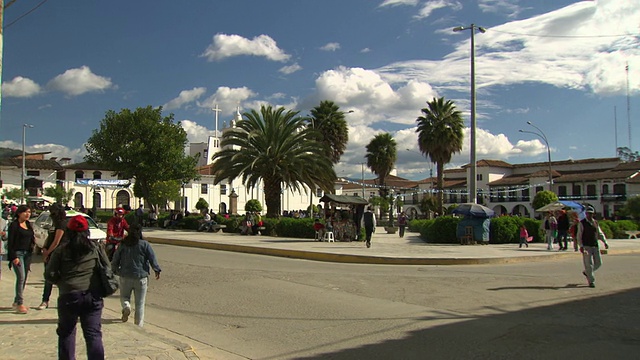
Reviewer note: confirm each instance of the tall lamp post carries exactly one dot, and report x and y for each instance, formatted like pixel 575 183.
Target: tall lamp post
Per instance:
pixel 473 184
pixel 22 173
pixel 542 136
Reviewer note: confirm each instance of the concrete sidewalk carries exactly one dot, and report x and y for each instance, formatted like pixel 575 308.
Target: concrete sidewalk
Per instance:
pixel 33 336
pixel 386 248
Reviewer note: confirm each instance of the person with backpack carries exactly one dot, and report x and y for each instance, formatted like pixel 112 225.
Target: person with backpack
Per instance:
pixel 72 267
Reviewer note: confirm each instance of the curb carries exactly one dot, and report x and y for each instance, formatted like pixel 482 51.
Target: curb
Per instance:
pixel 364 259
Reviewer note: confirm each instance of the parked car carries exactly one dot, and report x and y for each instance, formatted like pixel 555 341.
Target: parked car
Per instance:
pixel 43 224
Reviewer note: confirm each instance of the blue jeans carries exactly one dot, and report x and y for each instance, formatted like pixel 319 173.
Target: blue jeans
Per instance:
pixel 139 288
pixel 21 271
pixel 87 307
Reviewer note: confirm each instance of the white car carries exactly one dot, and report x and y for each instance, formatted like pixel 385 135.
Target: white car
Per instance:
pixel 43 224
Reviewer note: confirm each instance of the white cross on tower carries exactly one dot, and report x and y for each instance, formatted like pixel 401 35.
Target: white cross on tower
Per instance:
pixel 216 110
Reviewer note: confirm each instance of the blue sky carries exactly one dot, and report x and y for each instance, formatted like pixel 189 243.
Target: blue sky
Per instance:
pixel 559 64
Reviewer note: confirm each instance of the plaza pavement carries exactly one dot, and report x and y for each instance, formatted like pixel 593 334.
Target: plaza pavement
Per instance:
pixel 33 336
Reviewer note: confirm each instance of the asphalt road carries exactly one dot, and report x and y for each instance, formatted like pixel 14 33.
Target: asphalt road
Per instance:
pixel 262 307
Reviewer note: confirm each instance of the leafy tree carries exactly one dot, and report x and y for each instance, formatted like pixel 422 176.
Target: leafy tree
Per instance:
pixel 14 194
pixel 253 205
pixel 276 147
pixel 381 156
pixel 627 155
pixel 543 198
pixel 330 122
pixel 632 207
pixel 315 208
pixel 142 145
pixel 428 203
pixel 164 191
pixel 61 195
pixel 381 202
pixel 202 205
pixel 440 136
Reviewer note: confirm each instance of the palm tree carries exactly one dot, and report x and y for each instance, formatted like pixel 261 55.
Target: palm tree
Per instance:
pixel 277 147
pixel 330 122
pixel 381 157
pixel 440 136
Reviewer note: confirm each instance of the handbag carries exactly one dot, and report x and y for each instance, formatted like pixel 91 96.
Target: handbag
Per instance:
pixel 109 282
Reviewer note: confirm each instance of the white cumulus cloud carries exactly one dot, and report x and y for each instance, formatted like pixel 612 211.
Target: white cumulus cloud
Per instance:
pixel 290 69
pixel 185 97
pixel 227 99
pixel 225 46
pixel 79 81
pixel 20 87
pixel 332 46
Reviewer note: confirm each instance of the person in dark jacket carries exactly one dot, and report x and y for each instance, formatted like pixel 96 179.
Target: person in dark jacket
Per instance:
pixel 131 262
pixel 563 230
pixel 72 267
pixel 369 224
pixel 589 233
pixel 20 248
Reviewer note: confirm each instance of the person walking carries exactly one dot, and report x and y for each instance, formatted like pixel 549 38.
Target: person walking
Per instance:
pixel 589 233
pixel 563 230
pixel 116 228
pixel 369 224
pixel 402 223
pixel 20 248
pixel 524 236
pixel 73 268
pixel 131 262
pixel 550 226
pixel 54 239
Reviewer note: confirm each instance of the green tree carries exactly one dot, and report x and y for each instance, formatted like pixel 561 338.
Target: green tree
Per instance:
pixel 543 198
pixel 440 136
pixel 14 194
pixel 334 133
pixel 632 207
pixel 61 195
pixel 381 156
pixel 253 205
pixel 202 205
pixel 276 147
pixel 164 191
pixel 142 145
pixel 428 203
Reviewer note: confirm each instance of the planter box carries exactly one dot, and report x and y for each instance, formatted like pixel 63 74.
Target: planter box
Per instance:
pixel 390 229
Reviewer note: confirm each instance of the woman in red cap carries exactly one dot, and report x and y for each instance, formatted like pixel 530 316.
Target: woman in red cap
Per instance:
pixel 72 268
pixel 115 231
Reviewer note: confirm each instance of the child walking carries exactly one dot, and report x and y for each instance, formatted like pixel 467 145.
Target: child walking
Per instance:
pixel 524 237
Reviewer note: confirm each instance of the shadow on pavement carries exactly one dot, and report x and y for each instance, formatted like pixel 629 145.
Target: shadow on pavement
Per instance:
pixel 593 328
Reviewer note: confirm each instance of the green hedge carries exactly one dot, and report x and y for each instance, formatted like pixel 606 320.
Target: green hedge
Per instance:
pixel 616 229
pixel 442 230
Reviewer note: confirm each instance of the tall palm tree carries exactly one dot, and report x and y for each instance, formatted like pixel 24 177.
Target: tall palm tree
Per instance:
pixel 382 153
pixel 277 147
pixel 330 122
pixel 440 136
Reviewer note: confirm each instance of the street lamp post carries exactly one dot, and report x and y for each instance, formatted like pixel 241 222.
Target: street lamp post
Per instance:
pixel 542 136
pixel 22 173
pixel 473 185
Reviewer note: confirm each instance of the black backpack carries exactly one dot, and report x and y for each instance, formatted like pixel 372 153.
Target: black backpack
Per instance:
pixel 546 224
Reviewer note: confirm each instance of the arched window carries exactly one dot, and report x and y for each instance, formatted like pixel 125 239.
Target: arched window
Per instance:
pixel 222 208
pixel 77 200
pixel 97 200
pixel 123 198
pixel 97 175
pixel 79 174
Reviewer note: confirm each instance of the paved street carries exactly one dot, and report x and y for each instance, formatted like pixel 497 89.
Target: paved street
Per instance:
pixel 229 305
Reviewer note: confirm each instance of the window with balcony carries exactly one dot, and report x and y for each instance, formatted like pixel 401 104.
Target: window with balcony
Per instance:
pixel 576 191
pixel 204 188
pixel 79 175
pixel 538 189
pixel 525 194
pixel 97 175
pixel 620 192
pixel 223 189
pixel 591 192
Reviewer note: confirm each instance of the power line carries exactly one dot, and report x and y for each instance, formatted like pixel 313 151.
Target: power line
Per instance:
pixel 564 36
pixel 25 14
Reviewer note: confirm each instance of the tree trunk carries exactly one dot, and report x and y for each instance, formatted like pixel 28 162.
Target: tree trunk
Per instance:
pixel 440 168
pixel 273 190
